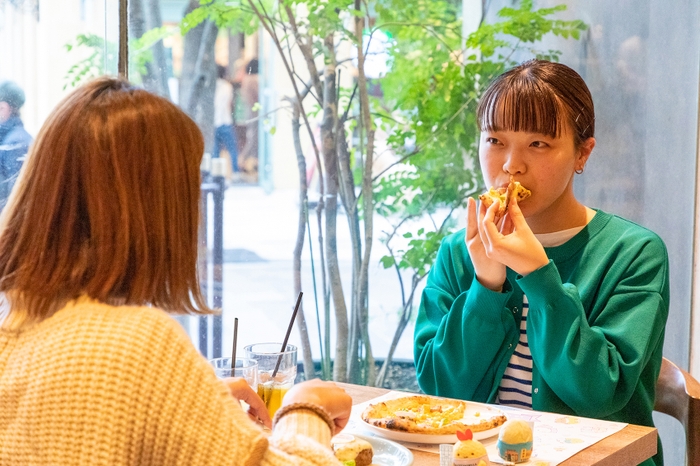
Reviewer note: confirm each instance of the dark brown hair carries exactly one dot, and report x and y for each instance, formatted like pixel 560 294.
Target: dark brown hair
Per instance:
pixel 107 205
pixel 538 96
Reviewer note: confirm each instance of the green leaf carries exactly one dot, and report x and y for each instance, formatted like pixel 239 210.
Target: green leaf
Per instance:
pixel 193 19
pixel 387 261
pixel 92 65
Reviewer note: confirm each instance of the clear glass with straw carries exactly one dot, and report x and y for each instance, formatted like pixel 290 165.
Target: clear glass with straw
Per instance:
pixel 277 366
pixel 273 384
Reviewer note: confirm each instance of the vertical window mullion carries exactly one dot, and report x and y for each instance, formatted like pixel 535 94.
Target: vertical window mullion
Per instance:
pixel 123 66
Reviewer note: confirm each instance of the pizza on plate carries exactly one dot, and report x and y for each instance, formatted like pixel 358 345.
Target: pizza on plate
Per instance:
pixel 422 414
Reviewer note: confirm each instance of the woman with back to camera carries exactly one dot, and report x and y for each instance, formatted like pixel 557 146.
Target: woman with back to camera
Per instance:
pixel 99 239
pixel 556 307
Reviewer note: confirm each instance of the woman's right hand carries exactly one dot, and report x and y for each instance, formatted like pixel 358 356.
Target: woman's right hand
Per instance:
pixel 324 394
pixel 490 273
pixel 239 388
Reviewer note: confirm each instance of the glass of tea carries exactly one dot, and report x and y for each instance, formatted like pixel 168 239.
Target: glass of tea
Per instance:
pixel 276 371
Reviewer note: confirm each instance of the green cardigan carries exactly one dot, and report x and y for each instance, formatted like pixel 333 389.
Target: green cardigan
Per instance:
pixel 596 320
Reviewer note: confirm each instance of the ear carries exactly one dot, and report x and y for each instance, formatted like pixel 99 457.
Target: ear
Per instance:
pixel 584 152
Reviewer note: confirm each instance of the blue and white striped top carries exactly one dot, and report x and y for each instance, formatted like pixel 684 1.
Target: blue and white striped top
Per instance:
pixel 516 384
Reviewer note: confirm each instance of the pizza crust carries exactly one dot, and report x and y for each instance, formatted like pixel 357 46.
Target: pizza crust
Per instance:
pixel 422 414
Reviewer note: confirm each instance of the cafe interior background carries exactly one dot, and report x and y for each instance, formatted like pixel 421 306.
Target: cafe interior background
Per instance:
pixel 640 58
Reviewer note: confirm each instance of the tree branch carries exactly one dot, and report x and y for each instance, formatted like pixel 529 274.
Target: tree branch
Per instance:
pixel 306 51
pixel 456 54
pixel 420 148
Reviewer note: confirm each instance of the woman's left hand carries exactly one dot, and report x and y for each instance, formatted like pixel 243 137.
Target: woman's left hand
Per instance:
pixel 240 389
pixel 514 245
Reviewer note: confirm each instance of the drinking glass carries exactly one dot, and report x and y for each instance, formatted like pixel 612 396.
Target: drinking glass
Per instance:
pixel 245 368
pixel 272 389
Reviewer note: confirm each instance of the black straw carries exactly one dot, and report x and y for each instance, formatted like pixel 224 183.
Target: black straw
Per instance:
pixel 286 337
pixel 235 337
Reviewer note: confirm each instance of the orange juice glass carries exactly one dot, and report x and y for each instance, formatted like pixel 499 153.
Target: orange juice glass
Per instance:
pixel 272 389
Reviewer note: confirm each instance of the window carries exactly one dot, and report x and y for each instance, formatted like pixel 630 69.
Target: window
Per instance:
pixel 640 60
pixel 47 48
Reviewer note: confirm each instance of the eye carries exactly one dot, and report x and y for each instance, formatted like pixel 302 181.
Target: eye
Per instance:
pixel 539 144
pixel 492 141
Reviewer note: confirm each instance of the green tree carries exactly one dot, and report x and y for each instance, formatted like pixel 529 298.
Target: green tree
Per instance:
pixel 427 112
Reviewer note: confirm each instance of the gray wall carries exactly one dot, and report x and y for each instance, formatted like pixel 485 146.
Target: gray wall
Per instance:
pixel 641 60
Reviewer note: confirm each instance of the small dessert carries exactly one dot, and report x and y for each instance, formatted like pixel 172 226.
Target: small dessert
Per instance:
pixel 515 441
pixel 352 451
pixel 469 452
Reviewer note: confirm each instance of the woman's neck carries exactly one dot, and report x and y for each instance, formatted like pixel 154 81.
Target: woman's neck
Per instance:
pixel 561 217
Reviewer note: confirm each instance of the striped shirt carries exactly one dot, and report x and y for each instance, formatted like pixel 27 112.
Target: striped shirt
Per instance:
pixel 516 384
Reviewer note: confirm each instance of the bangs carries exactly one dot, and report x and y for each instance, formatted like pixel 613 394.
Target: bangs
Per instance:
pixel 520 103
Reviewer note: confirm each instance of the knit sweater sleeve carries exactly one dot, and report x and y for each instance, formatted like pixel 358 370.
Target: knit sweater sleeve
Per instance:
pixel 122 386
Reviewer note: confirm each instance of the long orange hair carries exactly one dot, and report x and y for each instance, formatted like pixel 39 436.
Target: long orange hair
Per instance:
pixel 107 205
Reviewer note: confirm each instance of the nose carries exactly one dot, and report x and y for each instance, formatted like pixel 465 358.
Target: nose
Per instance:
pixel 514 163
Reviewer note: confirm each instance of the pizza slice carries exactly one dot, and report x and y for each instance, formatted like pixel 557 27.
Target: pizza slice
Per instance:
pixel 504 195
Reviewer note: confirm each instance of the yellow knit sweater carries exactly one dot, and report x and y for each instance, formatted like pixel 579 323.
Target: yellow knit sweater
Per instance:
pixel 101 385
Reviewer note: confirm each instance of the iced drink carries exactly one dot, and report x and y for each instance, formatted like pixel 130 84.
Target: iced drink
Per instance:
pixel 269 358
pixel 272 393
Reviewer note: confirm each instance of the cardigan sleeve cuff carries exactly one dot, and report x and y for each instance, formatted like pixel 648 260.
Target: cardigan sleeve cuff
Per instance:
pixel 545 278
pixel 483 300
pixel 302 420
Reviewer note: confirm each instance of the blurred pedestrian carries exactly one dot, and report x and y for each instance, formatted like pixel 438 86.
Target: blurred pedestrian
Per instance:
pixel 14 139
pixel 251 95
pixel 223 120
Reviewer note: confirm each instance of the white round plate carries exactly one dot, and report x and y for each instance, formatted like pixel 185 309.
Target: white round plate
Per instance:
pixel 434 439
pixel 386 452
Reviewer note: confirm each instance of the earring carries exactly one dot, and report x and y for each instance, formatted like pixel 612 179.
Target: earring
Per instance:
pixel 579 171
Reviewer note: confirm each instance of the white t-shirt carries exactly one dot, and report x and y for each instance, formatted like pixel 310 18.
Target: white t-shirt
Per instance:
pixel 223 101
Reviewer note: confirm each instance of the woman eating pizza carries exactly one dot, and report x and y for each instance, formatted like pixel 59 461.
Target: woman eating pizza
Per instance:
pixel 555 306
